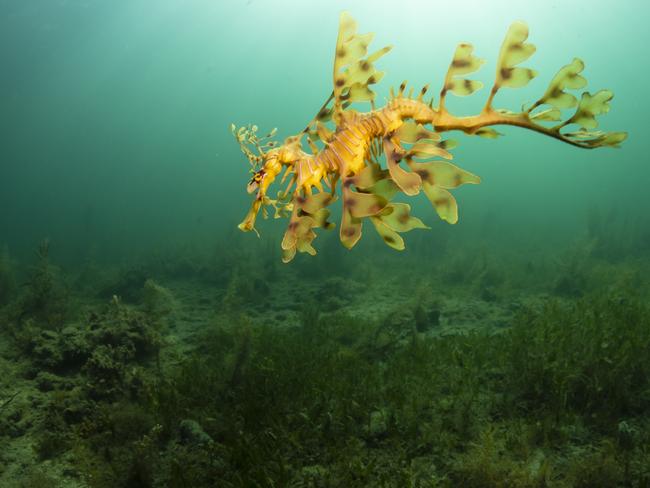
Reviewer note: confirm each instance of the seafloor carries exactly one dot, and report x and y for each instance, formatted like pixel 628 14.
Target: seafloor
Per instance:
pixel 448 365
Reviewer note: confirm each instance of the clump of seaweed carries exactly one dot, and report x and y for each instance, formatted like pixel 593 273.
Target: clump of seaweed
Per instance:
pixel 581 358
pixel 158 302
pixel 7 277
pixel 46 299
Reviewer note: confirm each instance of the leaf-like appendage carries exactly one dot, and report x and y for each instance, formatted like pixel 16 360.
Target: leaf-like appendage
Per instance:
pixel 308 214
pixel 407 181
pixel 363 204
pixel 390 237
pixel 443 201
pixel 568 77
pixel 444 174
pixel 589 107
pixel 353 71
pixel 593 139
pixel 411 132
pixel 398 217
pixel 464 62
pixel 514 50
pixel 488 133
pixel 437 178
pixel 427 149
pixel 551 114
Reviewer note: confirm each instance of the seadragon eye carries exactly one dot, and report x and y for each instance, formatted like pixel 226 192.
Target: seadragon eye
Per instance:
pixel 254 183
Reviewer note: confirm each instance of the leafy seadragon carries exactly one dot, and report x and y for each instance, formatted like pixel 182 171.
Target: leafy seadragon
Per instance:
pixel 416 158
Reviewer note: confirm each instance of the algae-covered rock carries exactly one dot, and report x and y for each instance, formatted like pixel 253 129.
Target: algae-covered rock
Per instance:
pixel 57 350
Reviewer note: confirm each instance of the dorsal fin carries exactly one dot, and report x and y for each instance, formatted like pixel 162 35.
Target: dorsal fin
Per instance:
pixel 354 71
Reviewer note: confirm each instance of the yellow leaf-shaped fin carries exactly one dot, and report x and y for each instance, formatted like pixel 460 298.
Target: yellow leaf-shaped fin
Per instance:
pixel 363 204
pixel 316 202
pixel 385 188
pixel 443 201
pixel 390 237
pixel 408 182
pixel 411 132
pixel 444 174
pixel 463 88
pixel 427 149
pixel 398 217
pixel 550 114
pixel 353 71
pixel 369 176
pixel 514 50
pixel 597 138
pixel 488 133
pixel 350 231
pixel 463 62
pixel 567 77
pixel 589 107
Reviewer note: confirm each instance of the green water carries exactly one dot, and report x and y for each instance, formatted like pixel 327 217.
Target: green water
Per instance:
pixel 135 318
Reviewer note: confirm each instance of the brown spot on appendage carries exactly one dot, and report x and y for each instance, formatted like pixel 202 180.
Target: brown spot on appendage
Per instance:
pixel 424 89
pixel 322 114
pixel 292 225
pixel 347 183
pixel 345 96
pixel 460 63
pixel 402 87
pixel 403 218
pixel 443 144
pixel 350 202
pixel 349 231
pixel 515 47
pixel 422 173
pixel 441 201
pixel 374 208
pixel 341 52
pixel 506 73
pixel 467 84
pixel 340 82
pixel 365 66
pixel 372 80
pixel 300 200
pixel 389 239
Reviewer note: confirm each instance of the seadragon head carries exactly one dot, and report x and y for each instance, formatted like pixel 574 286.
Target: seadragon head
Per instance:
pixel 267 160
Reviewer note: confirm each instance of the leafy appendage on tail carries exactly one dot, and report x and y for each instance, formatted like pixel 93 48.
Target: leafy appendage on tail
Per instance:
pixel 514 51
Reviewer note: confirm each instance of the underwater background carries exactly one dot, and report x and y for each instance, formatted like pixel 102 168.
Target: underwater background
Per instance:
pixel 146 341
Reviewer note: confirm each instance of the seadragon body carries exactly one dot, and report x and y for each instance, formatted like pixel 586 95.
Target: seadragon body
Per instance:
pixel 416 158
